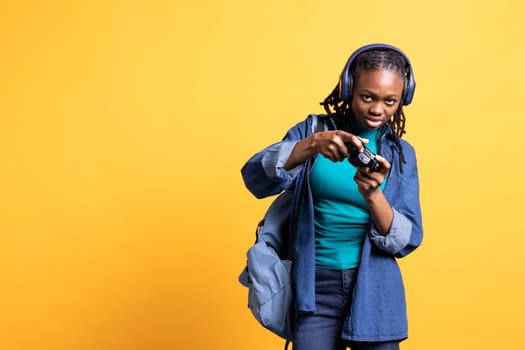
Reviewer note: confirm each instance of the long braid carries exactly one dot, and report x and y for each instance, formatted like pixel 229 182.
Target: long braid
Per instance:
pixel 366 61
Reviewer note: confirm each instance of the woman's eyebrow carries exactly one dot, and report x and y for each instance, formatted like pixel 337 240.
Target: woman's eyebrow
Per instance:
pixel 374 94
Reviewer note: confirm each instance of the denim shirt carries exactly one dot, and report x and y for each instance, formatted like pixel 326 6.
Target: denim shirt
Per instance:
pixel 378 311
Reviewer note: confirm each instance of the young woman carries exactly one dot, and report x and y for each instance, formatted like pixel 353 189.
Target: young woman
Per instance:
pixel 355 221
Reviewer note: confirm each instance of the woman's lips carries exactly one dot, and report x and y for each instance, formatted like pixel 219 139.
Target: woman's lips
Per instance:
pixel 374 119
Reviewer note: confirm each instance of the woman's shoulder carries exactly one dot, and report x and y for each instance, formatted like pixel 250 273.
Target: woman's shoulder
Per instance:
pixel 409 151
pixel 320 122
pixel 313 118
pixel 407 145
pixel 309 125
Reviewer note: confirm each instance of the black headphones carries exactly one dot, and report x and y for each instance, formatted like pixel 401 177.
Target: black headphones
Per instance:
pixel 346 81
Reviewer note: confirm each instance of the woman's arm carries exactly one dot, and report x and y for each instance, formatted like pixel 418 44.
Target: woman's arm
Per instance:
pixel 274 169
pixel 400 211
pixel 368 184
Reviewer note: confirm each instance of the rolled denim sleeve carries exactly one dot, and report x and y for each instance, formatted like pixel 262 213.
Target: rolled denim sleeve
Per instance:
pixel 274 159
pixel 397 238
pixel 264 174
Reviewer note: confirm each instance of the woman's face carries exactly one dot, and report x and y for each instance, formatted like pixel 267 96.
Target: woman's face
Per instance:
pixel 376 96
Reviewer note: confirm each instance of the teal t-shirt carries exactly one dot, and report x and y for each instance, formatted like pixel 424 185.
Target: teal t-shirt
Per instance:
pixel 342 218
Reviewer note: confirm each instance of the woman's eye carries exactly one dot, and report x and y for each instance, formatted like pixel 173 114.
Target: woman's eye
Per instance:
pixel 367 98
pixel 390 102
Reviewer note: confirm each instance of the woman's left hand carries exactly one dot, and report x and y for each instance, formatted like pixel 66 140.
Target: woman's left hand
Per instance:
pixel 368 182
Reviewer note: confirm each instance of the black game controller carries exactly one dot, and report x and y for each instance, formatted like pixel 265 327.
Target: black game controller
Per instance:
pixel 366 158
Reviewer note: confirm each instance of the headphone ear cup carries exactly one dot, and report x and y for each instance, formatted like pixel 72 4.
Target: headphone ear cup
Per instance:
pixel 350 87
pixel 340 90
pixel 345 86
pixel 410 87
pixel 405 90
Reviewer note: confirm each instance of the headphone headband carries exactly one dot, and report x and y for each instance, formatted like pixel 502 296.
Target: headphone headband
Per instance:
pixel 346 81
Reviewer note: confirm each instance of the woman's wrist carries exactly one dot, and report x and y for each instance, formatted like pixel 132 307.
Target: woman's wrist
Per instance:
pixel 381 211
pixel 311 145
pixel 303 150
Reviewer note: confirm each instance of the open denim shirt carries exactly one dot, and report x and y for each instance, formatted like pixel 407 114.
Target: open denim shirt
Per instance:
pixel 378 311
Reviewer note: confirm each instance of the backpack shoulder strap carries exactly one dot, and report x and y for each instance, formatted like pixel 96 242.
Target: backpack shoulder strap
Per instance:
pixel 322 122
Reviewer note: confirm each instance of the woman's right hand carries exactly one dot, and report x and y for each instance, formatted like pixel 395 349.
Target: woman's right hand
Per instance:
pixel 330 144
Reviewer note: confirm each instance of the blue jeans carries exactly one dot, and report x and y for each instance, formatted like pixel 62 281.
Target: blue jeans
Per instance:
pixel 321 330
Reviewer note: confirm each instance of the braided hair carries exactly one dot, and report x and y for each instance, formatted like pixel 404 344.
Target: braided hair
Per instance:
pixel 367 61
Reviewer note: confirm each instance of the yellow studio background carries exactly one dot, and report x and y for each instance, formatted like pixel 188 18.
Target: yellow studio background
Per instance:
pixel 123 126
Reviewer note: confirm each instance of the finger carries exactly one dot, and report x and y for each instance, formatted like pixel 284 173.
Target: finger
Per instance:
pixel 363 183
pixel 362 176
pixel 384 163
pixel 341 143
pixel 359 142
pixel 337 152
pixel 370 178
pixel 354 144
pixel 342 151
pixel 362 139
pixel 330 156
pixel 356 140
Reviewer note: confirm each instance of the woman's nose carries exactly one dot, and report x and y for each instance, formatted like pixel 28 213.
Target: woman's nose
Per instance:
pixel 375 109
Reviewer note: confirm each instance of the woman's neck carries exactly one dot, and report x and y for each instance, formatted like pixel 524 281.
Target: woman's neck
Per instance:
pixel 360 130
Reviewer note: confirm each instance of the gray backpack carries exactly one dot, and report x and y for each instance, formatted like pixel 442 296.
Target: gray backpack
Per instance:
pixel 268 272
